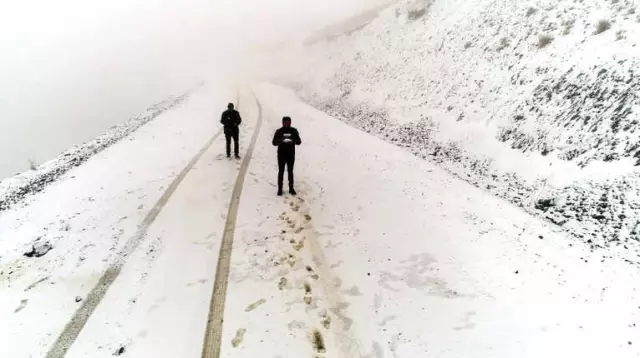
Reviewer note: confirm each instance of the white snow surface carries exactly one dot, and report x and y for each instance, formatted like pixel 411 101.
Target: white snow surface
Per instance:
pixel 383 253
pixel 15 188
pixel 467 84
pixel 87 216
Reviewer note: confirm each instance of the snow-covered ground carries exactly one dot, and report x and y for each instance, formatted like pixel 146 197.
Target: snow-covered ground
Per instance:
pixel 15 188
pixel 382 254
pixel 410 261
pixel 533 101
pixel 88 216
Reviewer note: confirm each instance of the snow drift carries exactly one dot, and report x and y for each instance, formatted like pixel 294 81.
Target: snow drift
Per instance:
pixel 536 102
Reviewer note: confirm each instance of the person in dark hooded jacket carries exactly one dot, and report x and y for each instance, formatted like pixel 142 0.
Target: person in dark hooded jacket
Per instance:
pixel 286 139
pixel 231 119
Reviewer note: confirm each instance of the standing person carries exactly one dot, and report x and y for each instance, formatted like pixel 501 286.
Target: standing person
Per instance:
pixel 231 120
pixel 286 138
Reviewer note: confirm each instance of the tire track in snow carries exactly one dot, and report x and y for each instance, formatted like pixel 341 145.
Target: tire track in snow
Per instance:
pixel 213 334
pixel 73 328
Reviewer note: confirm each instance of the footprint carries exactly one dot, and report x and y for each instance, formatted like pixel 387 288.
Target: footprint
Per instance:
pixel 239 337
pixel 307 294
pixel 337 311
pixel 386 320
pixel 299 230
pixel 307 217
pixel 318 342
pixel 255 305
pixel 291 260
pixel 313 307
pixel 295 325
pixel 281 260
pixel 337 282
pixel 353 291
pixel 313 274
pixel 157 303
pixel 299 245
pixel 326 320
pixel 23 304
pixel 283 283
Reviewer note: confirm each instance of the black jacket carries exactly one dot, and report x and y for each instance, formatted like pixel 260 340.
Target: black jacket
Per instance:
pixel 231 120
pixel 286 139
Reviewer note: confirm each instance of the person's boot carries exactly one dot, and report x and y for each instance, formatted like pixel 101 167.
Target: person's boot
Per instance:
pixel 237 156
pixel 279 191
pixel 292 191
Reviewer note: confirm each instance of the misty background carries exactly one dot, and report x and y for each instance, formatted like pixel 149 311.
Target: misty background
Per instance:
pixel 71 69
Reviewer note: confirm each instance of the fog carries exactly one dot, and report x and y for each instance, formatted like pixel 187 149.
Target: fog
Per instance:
pixel 71 69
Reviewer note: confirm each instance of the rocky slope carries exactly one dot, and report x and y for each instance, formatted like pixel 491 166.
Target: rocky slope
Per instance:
pixel 535 101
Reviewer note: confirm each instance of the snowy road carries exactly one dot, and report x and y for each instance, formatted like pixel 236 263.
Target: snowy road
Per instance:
pixel 92 213
pixel 381 255
pixel 386 255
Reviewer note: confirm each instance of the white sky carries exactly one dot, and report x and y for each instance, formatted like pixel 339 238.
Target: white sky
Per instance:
pixel 69 69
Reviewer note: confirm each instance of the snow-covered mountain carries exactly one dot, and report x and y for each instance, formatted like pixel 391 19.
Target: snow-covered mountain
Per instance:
pixel 535 101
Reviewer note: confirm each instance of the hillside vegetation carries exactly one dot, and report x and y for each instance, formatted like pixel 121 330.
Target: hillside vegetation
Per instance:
pixel 537 102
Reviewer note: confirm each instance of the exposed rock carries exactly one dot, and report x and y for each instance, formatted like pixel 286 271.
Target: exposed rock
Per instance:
pixel 39 249
pixel 120 351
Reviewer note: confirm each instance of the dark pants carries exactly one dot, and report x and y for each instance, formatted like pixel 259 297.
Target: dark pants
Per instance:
pixel 236 146
pixel 287 160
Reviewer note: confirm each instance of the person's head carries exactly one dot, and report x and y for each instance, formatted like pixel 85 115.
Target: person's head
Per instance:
pixel 286 121
pixel 230 106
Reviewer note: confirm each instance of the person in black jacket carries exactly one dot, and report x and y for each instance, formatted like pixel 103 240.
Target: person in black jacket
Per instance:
pixel 230 119
pixel 286 138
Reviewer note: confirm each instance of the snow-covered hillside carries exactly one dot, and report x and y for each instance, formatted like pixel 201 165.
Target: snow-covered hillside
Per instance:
pixel 535 101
